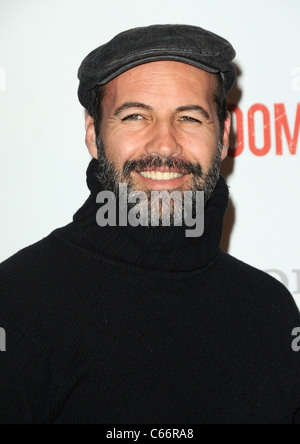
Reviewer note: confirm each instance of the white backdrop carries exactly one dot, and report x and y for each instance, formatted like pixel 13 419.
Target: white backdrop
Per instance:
pixel 43 158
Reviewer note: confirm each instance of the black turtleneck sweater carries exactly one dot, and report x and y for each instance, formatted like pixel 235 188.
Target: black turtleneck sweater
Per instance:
pixel 121 325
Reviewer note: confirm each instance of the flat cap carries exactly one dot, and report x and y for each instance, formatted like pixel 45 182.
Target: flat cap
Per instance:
pixel 183 43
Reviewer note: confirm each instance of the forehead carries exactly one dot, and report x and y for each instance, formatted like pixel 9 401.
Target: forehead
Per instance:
pixel 163 79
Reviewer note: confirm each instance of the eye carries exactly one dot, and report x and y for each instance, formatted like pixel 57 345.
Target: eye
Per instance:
pixel 133 117
pixel 189 119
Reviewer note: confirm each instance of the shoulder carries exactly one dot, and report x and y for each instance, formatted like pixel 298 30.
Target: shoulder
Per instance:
pixel 30 264
pixel 246 273
pixel 30 280
pixel 257 286
pixel 33 261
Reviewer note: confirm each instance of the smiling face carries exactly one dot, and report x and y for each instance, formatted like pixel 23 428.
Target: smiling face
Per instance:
pixel 160 130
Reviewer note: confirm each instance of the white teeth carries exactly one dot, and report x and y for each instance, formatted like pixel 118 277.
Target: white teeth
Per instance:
pixel 158 175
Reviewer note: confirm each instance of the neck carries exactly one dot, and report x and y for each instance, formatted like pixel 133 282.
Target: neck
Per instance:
pixel 155 248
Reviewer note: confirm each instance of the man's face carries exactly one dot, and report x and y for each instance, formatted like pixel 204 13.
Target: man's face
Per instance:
pixel 160 130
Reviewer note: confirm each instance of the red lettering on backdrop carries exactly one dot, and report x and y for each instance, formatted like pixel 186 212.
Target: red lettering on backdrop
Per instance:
pixel 267 130
pixel 240 145
pixel 281 123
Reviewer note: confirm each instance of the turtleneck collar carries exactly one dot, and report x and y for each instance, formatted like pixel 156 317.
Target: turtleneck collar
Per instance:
pixel 153 248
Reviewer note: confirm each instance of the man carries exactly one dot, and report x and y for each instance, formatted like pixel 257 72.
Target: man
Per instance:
pixel 119 323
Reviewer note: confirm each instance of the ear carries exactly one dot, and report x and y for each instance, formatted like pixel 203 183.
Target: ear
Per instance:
pixel 226 134
pixel 90 138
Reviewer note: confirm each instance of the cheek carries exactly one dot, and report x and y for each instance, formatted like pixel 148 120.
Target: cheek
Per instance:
pixel 202 149
pixel 123 146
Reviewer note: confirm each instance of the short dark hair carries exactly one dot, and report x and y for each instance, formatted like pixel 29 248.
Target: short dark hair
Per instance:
pixel 220 98
pixel 95 110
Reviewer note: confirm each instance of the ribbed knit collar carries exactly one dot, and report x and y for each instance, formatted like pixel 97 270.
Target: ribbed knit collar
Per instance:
pixel 155 248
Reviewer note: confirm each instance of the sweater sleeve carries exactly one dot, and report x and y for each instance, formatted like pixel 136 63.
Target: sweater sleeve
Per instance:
pixel 296 352
pixel 26 373
pixel 291 325
pixel 25 378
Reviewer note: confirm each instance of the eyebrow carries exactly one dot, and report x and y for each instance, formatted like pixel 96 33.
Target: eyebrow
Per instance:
pixel 129 105
pixel 197 108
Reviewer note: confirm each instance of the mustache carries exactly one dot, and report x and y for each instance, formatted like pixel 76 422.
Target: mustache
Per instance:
pixel 158 162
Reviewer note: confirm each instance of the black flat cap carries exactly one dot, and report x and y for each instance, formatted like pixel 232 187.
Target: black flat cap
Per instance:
pixel 188 44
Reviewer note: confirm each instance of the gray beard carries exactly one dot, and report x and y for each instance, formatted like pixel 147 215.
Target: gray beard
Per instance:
pixel 110 178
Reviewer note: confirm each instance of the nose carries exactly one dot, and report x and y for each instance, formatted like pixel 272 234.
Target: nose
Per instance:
pixel 164 141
